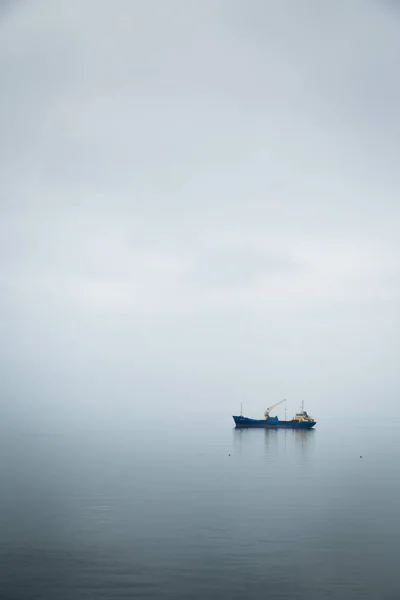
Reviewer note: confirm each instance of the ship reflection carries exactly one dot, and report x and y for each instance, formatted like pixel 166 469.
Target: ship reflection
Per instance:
pixel 299 442
pixel 288 441
pixel 240 437
pixel 271 441
pixel 302 438
pixel 274 441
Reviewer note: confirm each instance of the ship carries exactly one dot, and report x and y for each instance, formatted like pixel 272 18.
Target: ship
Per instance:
pixel 301 420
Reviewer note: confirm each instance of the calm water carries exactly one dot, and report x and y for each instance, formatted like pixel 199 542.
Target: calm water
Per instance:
pixel 169 514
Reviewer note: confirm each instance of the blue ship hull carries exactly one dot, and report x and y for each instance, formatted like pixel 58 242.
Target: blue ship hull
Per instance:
pixel 272 423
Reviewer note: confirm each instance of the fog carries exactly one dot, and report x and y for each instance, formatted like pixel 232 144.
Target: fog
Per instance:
pixel 199 207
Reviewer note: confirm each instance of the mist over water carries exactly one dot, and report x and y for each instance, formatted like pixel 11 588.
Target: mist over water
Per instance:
pixel 199 206
pixel 200 511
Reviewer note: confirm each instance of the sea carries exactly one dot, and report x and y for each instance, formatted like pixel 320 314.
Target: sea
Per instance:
pixel 181 510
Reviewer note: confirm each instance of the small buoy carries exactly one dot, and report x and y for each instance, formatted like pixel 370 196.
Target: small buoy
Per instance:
pixel 360 456
pixel 228 454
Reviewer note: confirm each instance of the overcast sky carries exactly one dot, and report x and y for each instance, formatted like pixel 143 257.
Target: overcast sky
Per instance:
pixel 200 205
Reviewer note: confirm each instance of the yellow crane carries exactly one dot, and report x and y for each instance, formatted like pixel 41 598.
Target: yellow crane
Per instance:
pixel 266 414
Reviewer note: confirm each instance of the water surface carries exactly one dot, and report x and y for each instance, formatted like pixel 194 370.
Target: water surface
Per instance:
pixel 173 512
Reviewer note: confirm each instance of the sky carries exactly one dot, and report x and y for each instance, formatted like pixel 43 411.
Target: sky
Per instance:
pixel 199 207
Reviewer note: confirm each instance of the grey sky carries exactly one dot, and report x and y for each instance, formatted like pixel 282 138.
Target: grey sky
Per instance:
pixel 199 205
